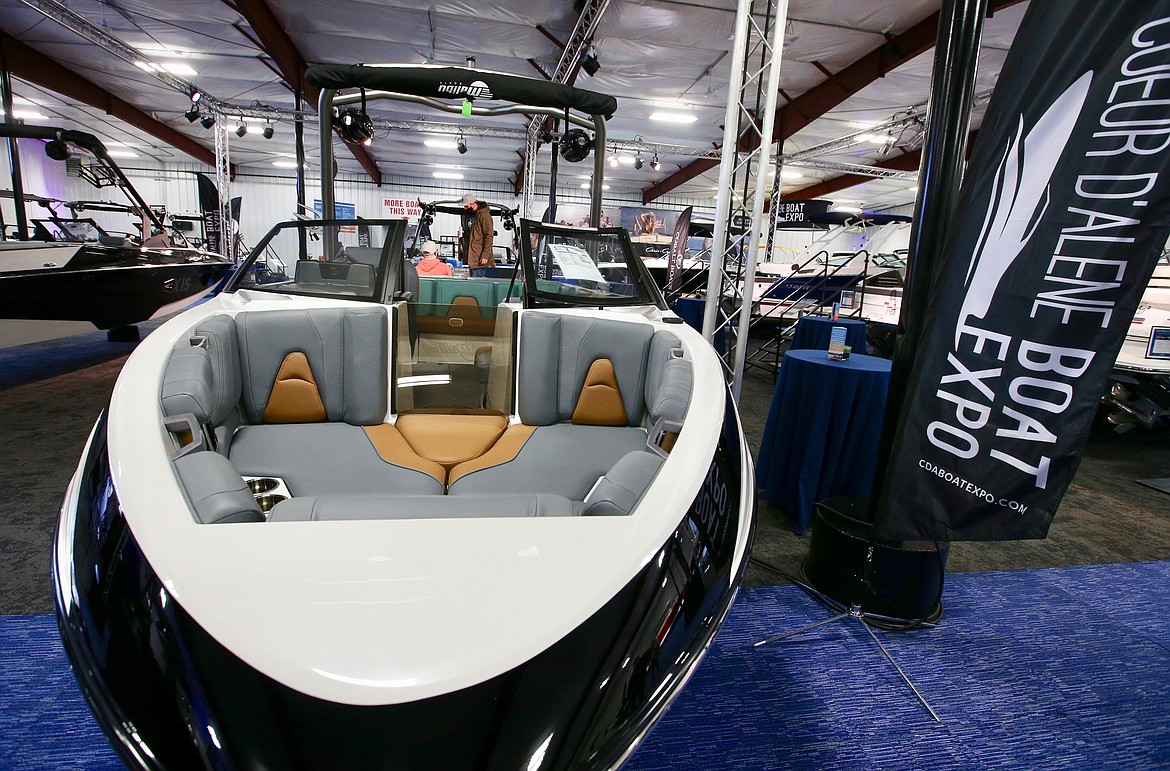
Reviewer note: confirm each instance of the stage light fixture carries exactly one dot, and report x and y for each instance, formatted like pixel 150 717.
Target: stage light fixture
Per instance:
pixel 355 127
pixel 589 63
pixel 575 145
pixel 192 115
pixel 196 96
pixel 269 131
pixel 613 160
pixel 654 164
pixel 208 121
pixel 461 145
pixel 241 129
pixel 638 161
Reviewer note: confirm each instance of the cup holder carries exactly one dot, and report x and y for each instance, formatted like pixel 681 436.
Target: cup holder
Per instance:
pixel 266 502
pixel 261 485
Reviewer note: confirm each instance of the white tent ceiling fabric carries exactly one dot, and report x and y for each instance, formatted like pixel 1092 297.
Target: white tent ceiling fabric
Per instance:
pixel 653 54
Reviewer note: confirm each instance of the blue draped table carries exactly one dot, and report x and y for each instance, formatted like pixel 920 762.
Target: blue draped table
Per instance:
pixel 813 333
pixel 822 432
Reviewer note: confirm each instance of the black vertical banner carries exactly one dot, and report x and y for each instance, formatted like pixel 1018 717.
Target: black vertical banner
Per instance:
pixel 209 205
pixel 678 250
pixel 1060 220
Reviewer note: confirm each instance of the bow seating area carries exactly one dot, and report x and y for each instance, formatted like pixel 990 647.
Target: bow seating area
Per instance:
pixel 301 397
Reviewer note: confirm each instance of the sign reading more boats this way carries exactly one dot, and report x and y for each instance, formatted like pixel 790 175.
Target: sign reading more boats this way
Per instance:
pixel 1060 220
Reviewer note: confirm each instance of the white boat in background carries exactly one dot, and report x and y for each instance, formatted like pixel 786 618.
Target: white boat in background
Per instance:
pixel 1138 394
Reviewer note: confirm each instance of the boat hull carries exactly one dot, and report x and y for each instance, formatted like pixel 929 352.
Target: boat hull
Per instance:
pixel 108 288
pixel 168 695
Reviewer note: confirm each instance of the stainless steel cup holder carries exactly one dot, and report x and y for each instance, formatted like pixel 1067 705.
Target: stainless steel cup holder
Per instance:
pixel 262 485
pixel 267 501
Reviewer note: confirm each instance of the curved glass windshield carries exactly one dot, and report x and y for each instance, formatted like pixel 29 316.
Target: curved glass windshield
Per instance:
pixel 352 259
pixel 583 266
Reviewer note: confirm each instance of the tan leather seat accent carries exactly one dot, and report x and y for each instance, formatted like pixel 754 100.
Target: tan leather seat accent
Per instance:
pixel 505 449
pixel 294 397
pixel 451 439
pixel 600 402
pixel 393 448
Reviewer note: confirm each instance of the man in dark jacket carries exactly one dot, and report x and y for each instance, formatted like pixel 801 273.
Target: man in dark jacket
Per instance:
pixel 480 235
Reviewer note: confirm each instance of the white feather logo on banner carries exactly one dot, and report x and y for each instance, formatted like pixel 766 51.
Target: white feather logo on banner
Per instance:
pixel 1020 198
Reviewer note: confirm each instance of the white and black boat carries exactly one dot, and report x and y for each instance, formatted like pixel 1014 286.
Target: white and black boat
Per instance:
pixel 69 268
pixel 341 516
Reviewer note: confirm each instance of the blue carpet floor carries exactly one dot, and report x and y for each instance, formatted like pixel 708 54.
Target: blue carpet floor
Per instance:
pixel 1053 669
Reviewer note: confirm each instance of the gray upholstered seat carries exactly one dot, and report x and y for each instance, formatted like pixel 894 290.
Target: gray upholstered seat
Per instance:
pixel 347 507
pixel 588 388
pixel 325 459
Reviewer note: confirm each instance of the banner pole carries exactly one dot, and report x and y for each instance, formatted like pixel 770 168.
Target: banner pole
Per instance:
pixel 943 156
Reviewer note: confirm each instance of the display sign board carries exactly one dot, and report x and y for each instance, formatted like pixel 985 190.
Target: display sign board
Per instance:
pixel 575 263
pixel 799 212
pixel 406 208
pixel 341 211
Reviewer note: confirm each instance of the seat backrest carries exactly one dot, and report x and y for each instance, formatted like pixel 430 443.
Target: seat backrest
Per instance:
pixel 668 379
pixel 582 369
pixel 308 272
pixel 311 365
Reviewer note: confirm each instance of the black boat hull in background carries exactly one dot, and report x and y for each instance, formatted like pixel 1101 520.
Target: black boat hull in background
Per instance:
pixel 123 288
pixel 169 696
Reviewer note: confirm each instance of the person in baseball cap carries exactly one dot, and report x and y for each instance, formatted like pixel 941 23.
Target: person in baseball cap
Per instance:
pixel 478 236
pixel 431 265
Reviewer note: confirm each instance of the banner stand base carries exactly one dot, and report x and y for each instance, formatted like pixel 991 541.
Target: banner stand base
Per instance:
pixel 890 585
pixel 901 580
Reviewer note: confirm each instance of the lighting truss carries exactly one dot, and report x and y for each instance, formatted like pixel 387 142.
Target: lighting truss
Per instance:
pixel 743 179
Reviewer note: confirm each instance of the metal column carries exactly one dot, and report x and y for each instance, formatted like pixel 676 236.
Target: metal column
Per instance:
pixel 746 156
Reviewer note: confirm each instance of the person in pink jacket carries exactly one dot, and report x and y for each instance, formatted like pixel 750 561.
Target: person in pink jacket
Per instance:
pixel 431 265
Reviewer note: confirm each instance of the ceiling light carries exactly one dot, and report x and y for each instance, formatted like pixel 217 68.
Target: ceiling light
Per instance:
pixel 17 99
pixel 655 163
pixel 241 129
pixel 179 68
pixel 196 96
pixel 285 164
pixel 192 115
pixel 440 144
pixel 613 160
pixel 29 115
pixel 146 66
pixel 674 117
pixel 121 153
pixel 446 175
pixel 847 208
pixel 448 166
pixel 587 185
pixel 790 174
pixel 269 131
pixel 208 121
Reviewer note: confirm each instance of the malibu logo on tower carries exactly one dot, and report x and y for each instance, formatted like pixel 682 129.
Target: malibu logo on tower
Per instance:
pixel 1058 226
pixel 476 90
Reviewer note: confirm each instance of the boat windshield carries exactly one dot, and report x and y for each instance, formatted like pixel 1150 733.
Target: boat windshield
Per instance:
pixel 591 267
pixel 351 259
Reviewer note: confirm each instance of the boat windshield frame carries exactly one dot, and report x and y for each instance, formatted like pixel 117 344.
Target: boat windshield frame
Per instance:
pixel 538 288
pixel 389 274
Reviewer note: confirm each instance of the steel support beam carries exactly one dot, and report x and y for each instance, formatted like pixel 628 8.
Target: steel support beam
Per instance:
pixel 31 65
pixel 277 44
pixel 823 97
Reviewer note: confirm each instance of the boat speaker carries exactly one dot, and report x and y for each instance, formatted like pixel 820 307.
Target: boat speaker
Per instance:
pixel 901 580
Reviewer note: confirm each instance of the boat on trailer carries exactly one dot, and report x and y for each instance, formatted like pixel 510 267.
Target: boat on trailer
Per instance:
pixel 344 516
pixel 71 269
